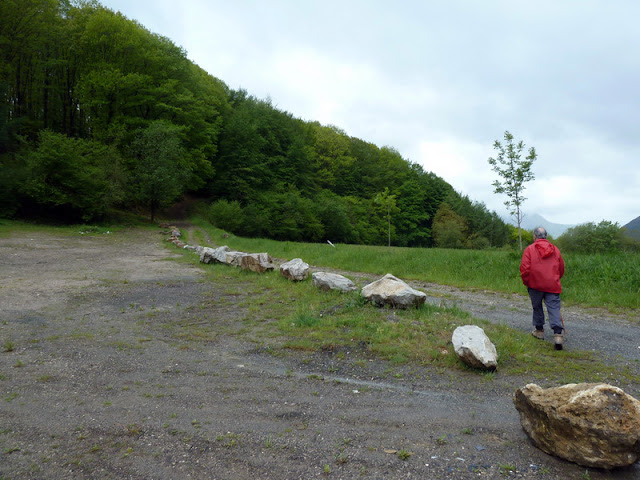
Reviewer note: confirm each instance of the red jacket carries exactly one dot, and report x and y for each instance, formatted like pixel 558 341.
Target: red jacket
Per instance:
pixel 542 267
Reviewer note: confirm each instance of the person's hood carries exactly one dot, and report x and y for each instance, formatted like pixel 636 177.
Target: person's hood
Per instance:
pixel 544 248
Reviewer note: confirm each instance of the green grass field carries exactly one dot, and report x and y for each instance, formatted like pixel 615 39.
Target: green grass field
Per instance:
pixel 611 281
pixel 606 280
pixel 300 317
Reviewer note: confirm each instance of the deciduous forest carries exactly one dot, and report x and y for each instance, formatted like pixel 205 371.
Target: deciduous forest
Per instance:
pixel 100 115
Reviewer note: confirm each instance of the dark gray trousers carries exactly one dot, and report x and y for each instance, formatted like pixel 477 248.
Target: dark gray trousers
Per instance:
pixel 552 301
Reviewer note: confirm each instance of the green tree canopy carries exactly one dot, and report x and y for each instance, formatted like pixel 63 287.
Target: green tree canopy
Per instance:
pixel 604 237
pixel 449 228
pixel 515 172
pixel 158 175
pixel 71 177
pixel 98 113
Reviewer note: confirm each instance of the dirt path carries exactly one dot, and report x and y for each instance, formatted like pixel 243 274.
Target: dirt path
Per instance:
pixel 113 368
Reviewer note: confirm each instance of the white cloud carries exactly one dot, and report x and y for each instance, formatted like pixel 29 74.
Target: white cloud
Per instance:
pixel 450 158
pixel 464 165
pixel 326 87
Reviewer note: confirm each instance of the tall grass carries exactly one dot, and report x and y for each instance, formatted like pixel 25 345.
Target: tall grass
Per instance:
pixel 612 280
pixel 604 280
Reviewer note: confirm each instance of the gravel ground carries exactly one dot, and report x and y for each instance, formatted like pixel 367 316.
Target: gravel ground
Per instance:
pixel 108 371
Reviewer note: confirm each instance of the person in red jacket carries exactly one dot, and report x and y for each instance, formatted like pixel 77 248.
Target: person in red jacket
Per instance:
pixel 541 269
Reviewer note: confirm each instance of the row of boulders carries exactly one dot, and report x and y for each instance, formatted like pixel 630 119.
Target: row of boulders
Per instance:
pixel 593 425
pixel 298 270
pixel 388 290
pixel 174 235
pixel 256 262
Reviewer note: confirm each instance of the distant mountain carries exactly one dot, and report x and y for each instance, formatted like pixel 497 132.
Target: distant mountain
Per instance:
pixel 533 220
pixel 633 228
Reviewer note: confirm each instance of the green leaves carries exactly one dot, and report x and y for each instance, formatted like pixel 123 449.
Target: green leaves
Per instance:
pixel 73 174
pixel 159 175
pixel 132 122
pixel 449 228
pixel 605 237
pixel 514 171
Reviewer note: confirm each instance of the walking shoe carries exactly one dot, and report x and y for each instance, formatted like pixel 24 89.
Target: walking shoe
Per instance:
pixel 558 341
pixel 539 334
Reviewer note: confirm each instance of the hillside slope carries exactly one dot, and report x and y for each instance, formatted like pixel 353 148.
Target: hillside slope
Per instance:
pixel 633 228
pixel 533 220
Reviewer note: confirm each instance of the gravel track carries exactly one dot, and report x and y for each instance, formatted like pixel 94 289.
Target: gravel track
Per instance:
pixel 110 371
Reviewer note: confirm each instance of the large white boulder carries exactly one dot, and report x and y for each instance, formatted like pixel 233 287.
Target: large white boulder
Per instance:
pixel 474 348
pixel 209 255
pixel 390 290
pixel 295 269
pixel 332 281
pixel 593 425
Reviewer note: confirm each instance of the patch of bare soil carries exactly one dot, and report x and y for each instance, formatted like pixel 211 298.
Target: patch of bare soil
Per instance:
pixel 118 363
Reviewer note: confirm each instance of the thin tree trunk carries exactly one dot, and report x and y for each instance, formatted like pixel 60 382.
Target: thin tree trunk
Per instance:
pixel 389 220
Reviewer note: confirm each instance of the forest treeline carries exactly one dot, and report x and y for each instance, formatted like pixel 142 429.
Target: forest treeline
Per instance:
pixel 101 115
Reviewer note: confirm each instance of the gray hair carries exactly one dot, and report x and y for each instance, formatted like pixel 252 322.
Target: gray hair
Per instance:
pixel 540 232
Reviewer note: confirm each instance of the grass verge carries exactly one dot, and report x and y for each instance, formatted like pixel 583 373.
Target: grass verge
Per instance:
pixel 282 315
pixel 610 281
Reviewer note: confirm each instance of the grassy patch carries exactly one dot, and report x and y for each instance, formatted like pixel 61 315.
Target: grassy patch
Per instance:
pixel 298 316
pixel 610 280
pixel 10 227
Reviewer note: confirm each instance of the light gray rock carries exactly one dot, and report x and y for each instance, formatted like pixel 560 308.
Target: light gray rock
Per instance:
pixel 296 270
pixel 593 425
pixel 209 255
pixel 226 255
pixel 256 262
pixel 332 281
pixel 232 257
pixel 206 254
pixel 390 290
pixel 474 348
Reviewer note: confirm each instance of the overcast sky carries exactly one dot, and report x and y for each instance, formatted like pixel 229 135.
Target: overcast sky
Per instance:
pixel 440 81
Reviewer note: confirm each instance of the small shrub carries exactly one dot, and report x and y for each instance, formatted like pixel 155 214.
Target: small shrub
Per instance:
pixel 605 237
pixel 404 454
pixel 442 440
pixel 226 215
pixel 9 346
